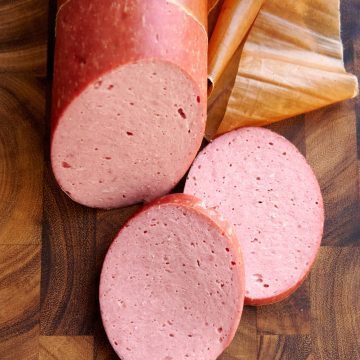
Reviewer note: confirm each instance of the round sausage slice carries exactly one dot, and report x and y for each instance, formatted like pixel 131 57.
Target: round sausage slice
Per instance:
pixel 172 284
pixel 129 97
pixel 261 183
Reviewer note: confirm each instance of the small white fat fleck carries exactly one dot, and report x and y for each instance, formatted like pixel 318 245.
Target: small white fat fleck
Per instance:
pixel 230 231
pixel 272 175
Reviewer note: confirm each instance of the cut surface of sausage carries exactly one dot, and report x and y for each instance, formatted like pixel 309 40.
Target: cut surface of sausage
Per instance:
pixel 262 185
pixel 129 98
pixel 172 284
pixel 137 148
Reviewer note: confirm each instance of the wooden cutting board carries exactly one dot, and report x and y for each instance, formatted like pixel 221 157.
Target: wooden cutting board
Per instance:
pixel 51 249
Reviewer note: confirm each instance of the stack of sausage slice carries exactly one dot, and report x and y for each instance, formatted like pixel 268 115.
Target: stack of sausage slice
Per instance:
pixel 179 257
pixel 129 106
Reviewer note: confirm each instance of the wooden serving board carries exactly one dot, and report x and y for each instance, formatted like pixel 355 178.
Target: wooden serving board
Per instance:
pixel 51 249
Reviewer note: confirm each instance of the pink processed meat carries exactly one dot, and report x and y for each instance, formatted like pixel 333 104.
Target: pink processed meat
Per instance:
pixel 261 183
pixel 129 97
pixel 172 284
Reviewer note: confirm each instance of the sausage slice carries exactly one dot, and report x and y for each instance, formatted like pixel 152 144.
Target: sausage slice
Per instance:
pixel 172 284
pixel 261 183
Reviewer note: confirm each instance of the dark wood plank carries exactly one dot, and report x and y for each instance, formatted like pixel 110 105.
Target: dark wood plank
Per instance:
pixel 102 347
pixel 68 278
pixel 350 32
pixel 22 108
pixel 331 147
pixel 274 347
pixel 288 317
pixel 244 346
pixel 331 143
pixel 66 347
pixel 19 301
pixel 23 36
pixel 350 11
pixel 335 304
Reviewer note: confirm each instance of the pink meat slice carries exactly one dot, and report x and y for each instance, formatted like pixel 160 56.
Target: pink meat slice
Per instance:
pixel 261 183
pixel 172 284
pixel 129 137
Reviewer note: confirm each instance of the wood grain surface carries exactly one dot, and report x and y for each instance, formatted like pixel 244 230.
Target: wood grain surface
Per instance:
pixel 51 249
